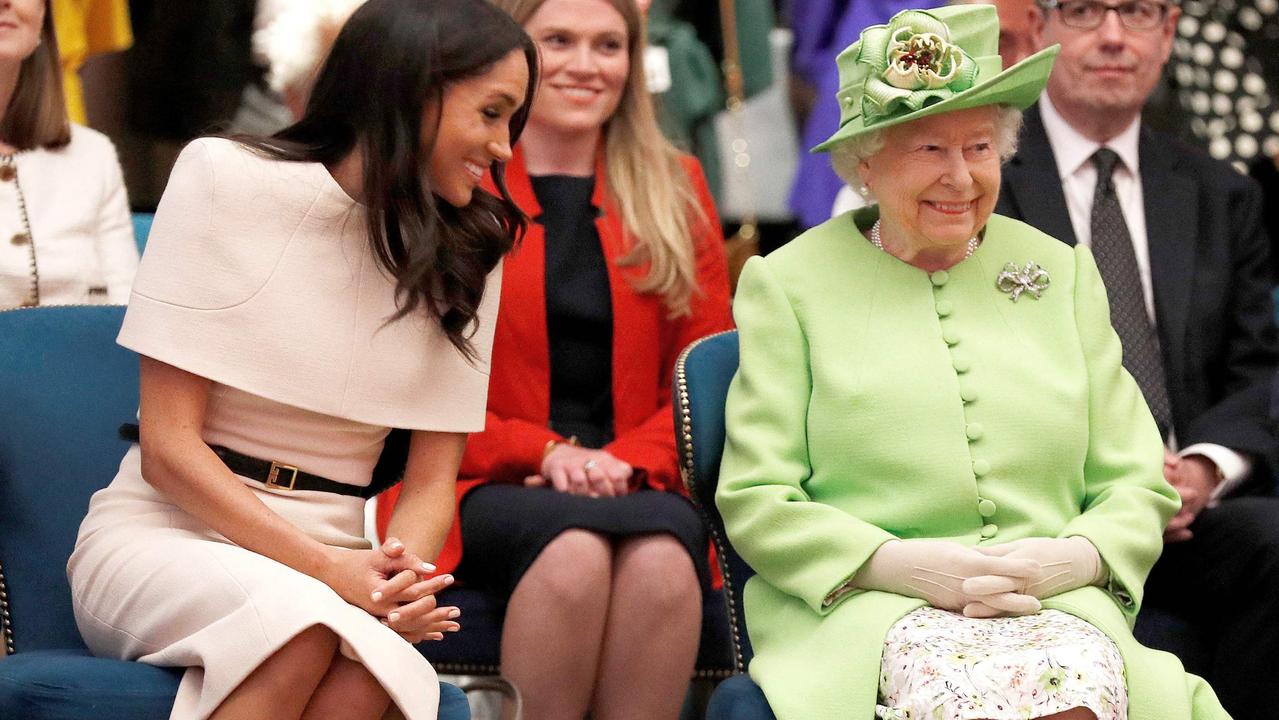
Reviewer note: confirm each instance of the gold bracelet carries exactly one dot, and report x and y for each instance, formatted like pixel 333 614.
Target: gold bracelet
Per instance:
pixel 552 444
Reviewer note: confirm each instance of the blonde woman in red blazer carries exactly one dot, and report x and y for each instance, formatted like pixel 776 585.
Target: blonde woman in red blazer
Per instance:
pixel 623 266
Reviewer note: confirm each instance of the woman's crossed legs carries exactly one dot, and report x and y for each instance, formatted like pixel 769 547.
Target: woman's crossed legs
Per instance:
pixel 307 679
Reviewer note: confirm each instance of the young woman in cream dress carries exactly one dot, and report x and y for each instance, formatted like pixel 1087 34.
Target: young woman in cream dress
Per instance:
pixel 300 295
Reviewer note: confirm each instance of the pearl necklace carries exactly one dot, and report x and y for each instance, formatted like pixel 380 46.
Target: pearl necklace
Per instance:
pixel 879 243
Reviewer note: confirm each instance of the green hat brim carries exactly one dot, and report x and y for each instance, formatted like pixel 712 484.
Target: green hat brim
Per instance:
pixel 1019 86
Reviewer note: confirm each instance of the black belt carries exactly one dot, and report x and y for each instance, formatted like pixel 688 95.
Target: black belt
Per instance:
pixel 271 474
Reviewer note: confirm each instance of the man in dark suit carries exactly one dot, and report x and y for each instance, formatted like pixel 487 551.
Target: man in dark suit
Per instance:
pixel 1179 242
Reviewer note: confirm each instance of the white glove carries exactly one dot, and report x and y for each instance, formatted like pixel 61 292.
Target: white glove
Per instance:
pixel 1065 564
pixel 936 571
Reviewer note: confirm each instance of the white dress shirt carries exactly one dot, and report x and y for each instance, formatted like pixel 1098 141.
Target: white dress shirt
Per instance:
pixel 80 225
pixel 1073 153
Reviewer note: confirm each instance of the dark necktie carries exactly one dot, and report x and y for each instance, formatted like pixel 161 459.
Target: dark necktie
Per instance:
pixel 1112 246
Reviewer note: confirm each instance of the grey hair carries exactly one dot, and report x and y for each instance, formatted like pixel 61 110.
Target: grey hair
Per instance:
pixel 848 156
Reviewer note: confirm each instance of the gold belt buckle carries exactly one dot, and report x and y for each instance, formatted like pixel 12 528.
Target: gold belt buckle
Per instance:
pixel 273 478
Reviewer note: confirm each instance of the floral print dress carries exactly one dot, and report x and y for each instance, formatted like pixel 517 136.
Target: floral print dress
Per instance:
pixel 940 665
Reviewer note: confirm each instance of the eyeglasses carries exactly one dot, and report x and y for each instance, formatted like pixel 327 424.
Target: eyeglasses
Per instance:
pixel 1089 14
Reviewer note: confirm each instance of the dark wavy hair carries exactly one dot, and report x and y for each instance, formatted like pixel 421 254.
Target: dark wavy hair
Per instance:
pixel 390 62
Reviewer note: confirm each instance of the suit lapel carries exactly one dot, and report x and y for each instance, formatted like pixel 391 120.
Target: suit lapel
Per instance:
pixel 1172 220
pixel 1032 184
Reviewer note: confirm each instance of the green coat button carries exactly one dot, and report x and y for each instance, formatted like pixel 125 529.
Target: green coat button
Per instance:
pixel 968 394
pixel 961 364
pixel 981 467
pixel 939 278
pixel 988 531
pixel 945 308
pixel 974 431
pixel 986 507
pixel 951 337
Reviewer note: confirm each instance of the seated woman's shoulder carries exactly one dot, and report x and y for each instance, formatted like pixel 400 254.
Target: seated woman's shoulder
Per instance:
pixel 1029 236
pixel 242 173
pixel 87 145
pixel 87 137
pixel 816 242
pixel 221 151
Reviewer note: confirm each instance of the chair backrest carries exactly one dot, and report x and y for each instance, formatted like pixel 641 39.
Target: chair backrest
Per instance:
pixel 65 387
pixel 702 375
pixel 142 229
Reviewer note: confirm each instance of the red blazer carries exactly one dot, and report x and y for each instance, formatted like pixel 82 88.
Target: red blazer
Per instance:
pixel 646 342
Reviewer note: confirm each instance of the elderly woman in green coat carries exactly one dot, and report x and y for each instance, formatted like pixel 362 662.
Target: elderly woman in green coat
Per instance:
pixel 950 488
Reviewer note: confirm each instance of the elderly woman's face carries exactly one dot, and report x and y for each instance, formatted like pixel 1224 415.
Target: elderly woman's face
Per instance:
pixel 20 23
pixel 936 179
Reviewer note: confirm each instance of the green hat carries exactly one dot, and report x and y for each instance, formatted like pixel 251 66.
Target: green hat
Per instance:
pixel 927 62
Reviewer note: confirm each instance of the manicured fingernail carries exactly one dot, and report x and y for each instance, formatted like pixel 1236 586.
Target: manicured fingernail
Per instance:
pixel 428 567
pixel 455 628
pixel 437 636
pixel 393 616
pixel 448 579
pixel 377 596
pixel 454 613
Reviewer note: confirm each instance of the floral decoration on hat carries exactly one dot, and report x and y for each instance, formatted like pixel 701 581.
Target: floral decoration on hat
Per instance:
pixel 928 62
pixel 914 64
pixel 919 61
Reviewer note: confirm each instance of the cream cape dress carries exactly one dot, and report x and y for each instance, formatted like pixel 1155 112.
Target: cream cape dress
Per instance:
pixel 257 276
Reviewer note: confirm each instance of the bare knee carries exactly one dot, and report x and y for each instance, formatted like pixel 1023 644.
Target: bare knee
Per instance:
pixel 301 661
pixel 317 639
pixel 317 643
pixel 357 675
pixel 348 690
pixel 575 568
pixel 658 566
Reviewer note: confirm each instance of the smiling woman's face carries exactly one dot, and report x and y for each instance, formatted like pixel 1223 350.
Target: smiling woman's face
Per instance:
pixel 20 23
pixel 585 63
pixel 474 129
pixel 936 179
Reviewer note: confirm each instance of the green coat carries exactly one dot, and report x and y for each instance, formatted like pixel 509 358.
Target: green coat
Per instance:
pixel 875 401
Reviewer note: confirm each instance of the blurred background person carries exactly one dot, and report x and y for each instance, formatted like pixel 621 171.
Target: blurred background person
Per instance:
pixel 86 28
pixel 292 39
pixel 65 230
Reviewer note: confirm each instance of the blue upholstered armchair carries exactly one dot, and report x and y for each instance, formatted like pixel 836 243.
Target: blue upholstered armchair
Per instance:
pixel 65 387
pixel 702 376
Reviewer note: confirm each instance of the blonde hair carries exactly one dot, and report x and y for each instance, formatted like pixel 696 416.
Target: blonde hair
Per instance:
pixel 645 179
pixel 37 113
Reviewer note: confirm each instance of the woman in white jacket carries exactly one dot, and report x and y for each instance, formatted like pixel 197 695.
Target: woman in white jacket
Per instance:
pixel 65 231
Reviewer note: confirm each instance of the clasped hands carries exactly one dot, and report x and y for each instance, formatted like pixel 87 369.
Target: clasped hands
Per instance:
pixel 583 471
pixel 395 586
pixel 1194 477
pixel 983 582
